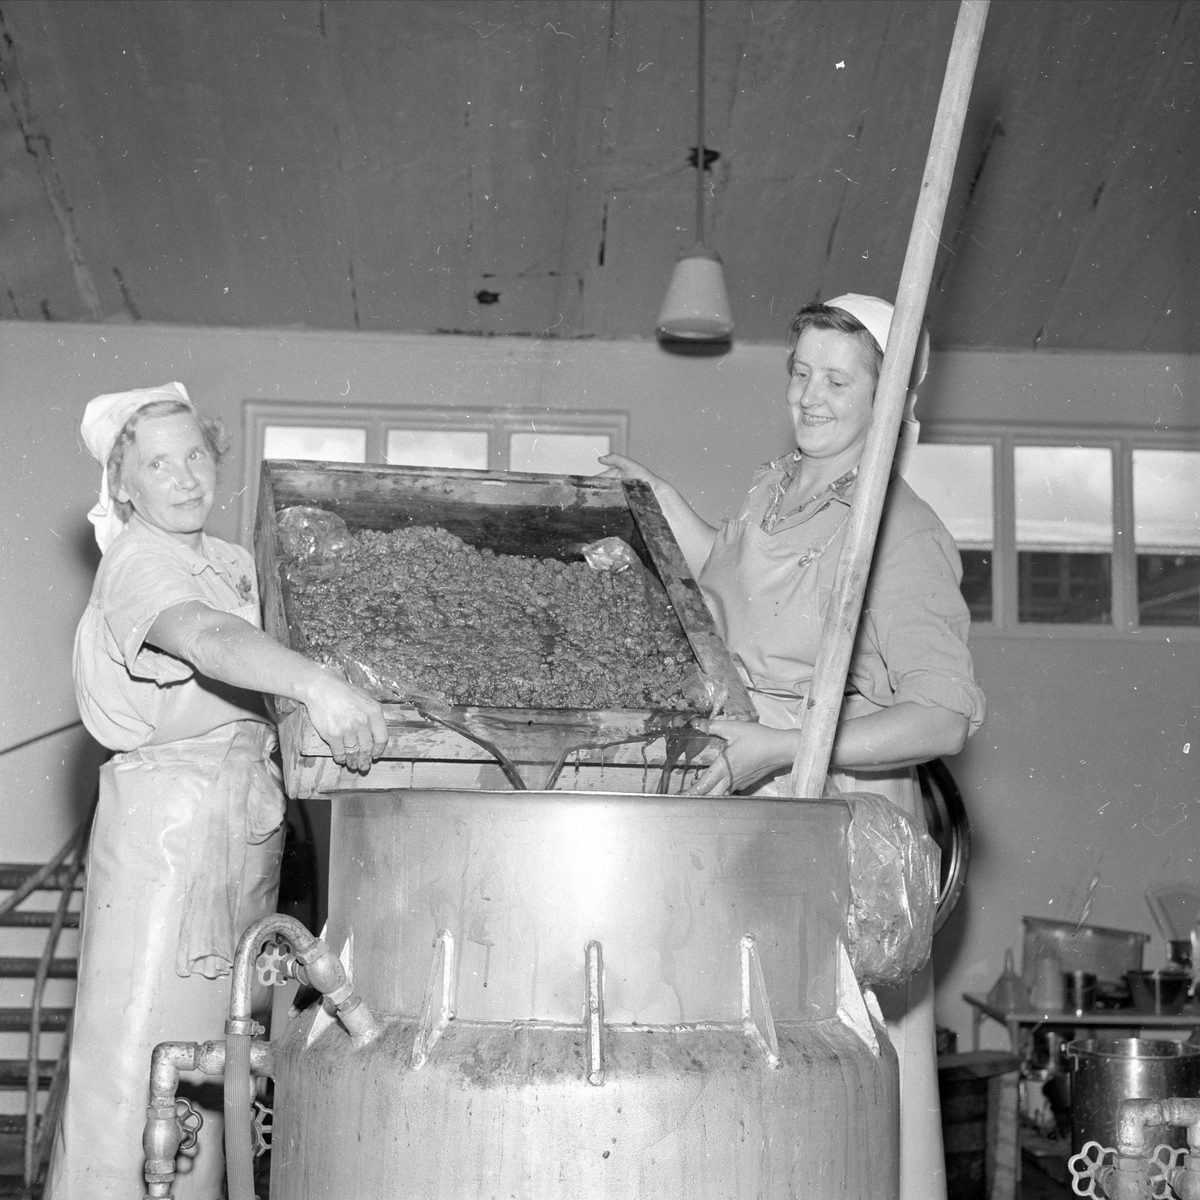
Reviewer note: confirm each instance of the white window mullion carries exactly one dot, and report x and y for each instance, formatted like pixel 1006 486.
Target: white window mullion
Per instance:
pixel 498 444
pixel 1004 553
pixel 1124 559
pixel 376 441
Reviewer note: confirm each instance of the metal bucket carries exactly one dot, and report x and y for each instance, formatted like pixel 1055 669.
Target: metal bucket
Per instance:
pixel 589 995
pixel 1105 1072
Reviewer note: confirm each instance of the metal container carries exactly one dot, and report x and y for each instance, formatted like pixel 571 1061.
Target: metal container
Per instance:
pixel 1106 953
pixel 1159 992
pixel 1105 1072
pixel 1080 989
pixel 535 516
pixel 589 995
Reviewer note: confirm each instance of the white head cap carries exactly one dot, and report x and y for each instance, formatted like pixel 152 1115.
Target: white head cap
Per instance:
pixel 876 315
pixel 103 420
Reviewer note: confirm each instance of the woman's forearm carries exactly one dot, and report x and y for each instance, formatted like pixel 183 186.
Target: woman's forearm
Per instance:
pixel 902 735
pixel 226 648
pixel 694 535
pixel 899 736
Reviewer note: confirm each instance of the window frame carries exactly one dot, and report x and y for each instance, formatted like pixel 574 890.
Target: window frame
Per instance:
pixel 377 419
pixel 1004 437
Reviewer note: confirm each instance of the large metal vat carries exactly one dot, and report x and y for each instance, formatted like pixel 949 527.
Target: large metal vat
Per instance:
pixel 589 995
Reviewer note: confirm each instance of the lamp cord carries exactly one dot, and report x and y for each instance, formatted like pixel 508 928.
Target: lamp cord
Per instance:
pixel 700 130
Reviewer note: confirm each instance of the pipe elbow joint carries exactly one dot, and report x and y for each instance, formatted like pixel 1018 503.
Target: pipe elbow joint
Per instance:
pixel 1135 1115
pixel 326 973
pixel 1132 1119
pixel 166 1061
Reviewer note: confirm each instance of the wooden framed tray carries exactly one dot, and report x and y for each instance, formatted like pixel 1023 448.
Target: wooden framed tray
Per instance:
pixel 539 516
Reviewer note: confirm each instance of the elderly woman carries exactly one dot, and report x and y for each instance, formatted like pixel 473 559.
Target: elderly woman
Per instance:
pixel 169 665
pixel 910 695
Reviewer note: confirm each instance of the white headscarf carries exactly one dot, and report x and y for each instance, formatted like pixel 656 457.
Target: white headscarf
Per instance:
pixel 876 315
pixel 103 420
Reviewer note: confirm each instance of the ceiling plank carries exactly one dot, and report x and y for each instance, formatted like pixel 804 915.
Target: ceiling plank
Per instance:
pixel 520 166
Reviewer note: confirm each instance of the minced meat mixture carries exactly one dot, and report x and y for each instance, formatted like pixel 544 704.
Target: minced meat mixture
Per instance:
pixel 419 611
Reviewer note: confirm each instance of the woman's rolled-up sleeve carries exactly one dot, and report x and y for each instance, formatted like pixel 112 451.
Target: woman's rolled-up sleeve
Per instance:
pixel 138 586
pixel 912 642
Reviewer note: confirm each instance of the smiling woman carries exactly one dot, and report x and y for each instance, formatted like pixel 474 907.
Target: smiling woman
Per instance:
pixel 831 384
pixel 170 663
pixel 767 575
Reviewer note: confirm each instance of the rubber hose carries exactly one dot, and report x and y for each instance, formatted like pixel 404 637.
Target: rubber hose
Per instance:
pixel 239 1152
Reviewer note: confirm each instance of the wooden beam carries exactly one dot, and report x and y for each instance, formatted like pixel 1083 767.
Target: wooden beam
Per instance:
pixel 845 604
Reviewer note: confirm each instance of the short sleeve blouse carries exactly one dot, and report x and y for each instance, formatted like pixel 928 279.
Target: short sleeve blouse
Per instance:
pixel 912 635
pixel 131 694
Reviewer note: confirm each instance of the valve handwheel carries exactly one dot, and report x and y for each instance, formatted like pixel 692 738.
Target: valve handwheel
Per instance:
pixel 1159 1167
pixel 1086 1165
pixel 191 1121
pixel 273 964
pixel 264 1118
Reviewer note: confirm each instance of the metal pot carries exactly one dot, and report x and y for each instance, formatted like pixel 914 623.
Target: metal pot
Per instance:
pixel 1105 1072
pixel 576 990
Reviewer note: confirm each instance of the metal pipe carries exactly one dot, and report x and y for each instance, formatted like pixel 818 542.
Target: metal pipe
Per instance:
pixel 168 1132
pixel 1133 1117
pixel 321 968
pixel 318 966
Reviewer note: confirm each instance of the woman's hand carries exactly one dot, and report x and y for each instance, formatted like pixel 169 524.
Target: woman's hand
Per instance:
pixel 694 535
pixel 620 467
pixel 349 720
pixel 751 751
pixel 224 647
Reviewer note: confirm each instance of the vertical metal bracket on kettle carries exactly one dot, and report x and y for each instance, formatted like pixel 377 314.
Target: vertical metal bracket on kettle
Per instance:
pixel 757 1022
pixel 594 1014
pixel 437 1009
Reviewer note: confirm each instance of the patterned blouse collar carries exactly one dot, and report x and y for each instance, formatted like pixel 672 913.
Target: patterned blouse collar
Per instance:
pixel 839 489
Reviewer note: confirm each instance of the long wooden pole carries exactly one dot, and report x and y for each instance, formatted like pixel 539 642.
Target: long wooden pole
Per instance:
pixel 845 604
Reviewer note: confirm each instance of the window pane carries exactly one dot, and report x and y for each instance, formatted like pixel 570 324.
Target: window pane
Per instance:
pixel 1166 509
pixel 977 583
pixel 1068 589
pixel 956 482
pixel 558 453
pixel 323 442
pixel 1166 500
pixel 437 448
pixel 1064 498
pixel 1064 533
pixel 1168 589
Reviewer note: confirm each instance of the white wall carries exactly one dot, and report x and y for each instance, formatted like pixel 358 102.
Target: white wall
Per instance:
pixel 1079 772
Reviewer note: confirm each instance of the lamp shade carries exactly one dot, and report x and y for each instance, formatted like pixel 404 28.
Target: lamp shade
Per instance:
pixel 696 310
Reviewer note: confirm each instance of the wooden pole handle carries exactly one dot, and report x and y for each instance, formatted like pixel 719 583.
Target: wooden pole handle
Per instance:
pixel 824 702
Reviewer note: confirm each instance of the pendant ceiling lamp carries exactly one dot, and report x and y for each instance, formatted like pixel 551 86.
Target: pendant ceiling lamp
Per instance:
pixel 695 316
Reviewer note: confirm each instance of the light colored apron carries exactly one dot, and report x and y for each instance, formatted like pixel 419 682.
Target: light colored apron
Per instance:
pixel 768 593
pixel 184 855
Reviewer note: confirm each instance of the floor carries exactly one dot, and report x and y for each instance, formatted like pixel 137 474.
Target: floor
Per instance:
pixel 1036 1184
